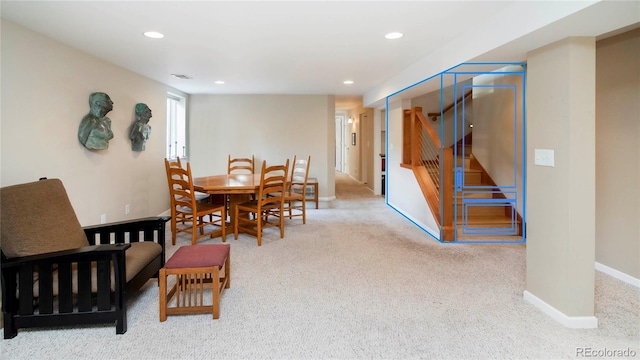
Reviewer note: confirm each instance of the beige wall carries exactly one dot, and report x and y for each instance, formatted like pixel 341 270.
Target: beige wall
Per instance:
pixel 618 153
pixel 497 129
pixel 272 127
pixel 401 182
pixel 561 199
pixel 45 93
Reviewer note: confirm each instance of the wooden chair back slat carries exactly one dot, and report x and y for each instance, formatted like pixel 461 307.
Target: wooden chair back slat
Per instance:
pixel 240 165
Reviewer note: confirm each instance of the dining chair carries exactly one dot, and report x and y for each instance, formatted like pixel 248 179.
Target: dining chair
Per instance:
pixel 269 201
pixel 187 211
pixel 295 197
pixel 240 165
pixel 178 163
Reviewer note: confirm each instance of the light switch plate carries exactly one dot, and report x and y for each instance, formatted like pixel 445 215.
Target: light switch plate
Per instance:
pixel 544 157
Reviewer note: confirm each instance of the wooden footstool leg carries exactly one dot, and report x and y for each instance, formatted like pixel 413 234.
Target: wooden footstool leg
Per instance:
pixel 215 291
pixel 227 273
pixel 163 294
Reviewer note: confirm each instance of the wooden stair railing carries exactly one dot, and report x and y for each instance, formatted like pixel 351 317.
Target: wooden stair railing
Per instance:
pixel 424 141
pixel 433 167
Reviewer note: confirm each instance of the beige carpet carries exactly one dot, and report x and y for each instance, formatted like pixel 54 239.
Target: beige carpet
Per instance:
pixel 356 282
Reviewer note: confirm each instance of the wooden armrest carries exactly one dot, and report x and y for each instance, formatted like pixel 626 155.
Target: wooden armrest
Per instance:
pixel 148 226
pixel 85 253
pixel 128 225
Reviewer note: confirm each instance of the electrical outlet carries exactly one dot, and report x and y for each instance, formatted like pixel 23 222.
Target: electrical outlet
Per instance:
pixel 127 209
pixel 103 219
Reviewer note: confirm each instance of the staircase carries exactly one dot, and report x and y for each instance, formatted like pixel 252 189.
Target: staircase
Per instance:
pixel 497 217
pixel 477 212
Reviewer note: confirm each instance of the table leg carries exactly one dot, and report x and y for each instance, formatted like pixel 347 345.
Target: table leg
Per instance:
pixel 235 199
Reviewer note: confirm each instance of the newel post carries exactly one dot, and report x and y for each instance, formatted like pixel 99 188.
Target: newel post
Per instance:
pixel 447 232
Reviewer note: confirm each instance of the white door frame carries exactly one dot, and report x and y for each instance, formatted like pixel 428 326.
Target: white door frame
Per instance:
pixel 340 156
pixel 364 148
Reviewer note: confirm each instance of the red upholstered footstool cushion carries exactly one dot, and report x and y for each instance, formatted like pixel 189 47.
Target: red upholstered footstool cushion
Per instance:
pixel 204 255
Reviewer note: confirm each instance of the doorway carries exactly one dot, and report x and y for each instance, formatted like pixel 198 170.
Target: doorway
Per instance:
pixel 364 148
pixel 340 152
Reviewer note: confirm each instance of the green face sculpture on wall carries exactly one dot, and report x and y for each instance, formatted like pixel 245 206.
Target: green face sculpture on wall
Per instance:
pixel 95 128
pixel 140 130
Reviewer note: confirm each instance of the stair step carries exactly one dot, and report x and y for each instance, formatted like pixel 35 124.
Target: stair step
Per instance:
pixel 467 149
pixel 482 211
pixel 478 195
pixel 488 221
pixel 463 160
pixel 506 238
pixel 472 177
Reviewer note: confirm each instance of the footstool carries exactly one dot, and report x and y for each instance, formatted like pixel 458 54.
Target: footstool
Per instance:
pixel 193 267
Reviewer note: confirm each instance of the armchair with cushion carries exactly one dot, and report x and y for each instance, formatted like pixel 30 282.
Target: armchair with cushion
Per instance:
pixel 56 273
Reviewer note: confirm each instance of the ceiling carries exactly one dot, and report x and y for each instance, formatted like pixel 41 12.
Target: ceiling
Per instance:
pixel 296 47
pixel 257 47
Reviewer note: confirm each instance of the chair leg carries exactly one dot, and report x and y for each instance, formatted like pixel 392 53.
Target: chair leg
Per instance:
pixel 235 224
pixel 121 320
pixel 223 223
pixel 259 218
pixel 194 230
pixel 281 225
pixel 10 329
pixel 304 211
pixel 173 231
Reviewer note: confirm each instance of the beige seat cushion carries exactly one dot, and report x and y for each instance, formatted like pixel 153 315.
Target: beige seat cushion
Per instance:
pixel 137 257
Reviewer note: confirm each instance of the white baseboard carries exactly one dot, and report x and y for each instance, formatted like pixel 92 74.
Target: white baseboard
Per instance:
pixel 572 322
pixel 618 274
pixel 326 198
pixel 166 213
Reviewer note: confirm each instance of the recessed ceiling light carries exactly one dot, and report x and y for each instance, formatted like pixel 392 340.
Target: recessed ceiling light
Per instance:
pixel 348 82
pixel 219 82
pixel 394 35
pixel 153 35
pixel 181 76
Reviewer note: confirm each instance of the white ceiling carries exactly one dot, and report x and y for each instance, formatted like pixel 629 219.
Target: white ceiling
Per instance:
pixel 292 47
pixel 256 47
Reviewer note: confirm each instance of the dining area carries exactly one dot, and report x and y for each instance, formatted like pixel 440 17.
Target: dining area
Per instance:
pixel 246 199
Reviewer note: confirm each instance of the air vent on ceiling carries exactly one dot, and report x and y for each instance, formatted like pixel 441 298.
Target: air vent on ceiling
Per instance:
pixel 181 76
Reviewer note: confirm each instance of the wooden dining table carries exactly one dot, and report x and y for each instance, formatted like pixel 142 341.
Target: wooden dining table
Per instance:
pixel 238 187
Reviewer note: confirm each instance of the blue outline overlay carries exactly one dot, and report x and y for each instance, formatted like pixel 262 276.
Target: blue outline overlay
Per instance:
pixel 459 179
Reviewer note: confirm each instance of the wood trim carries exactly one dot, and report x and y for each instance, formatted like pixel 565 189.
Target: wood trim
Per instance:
pixel 406 138
pixel 447 233
pixel 416 138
